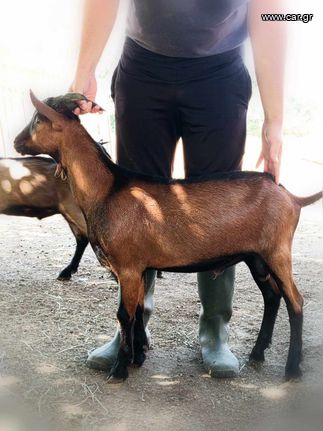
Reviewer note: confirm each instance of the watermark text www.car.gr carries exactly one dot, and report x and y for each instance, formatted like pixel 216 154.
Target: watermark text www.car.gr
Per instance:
pixel 305 17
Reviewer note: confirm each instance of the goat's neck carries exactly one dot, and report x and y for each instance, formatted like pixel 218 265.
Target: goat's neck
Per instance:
pixel 89 177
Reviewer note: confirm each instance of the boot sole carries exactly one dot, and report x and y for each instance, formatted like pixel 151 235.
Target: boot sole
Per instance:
pixel 94 365
pixel 224 374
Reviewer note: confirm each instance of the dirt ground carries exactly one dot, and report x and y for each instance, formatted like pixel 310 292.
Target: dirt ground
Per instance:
pixel 47 327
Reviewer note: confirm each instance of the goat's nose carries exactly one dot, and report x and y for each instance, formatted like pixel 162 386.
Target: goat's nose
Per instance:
pixel 16 142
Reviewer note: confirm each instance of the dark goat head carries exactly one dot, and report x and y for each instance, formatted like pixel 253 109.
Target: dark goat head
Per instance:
pixel 44 132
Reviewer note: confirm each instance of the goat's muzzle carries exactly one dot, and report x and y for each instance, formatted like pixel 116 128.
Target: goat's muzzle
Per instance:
pixel 19 146
pixel 21 141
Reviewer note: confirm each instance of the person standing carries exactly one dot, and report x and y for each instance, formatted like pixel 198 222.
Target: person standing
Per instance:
pixel 181 75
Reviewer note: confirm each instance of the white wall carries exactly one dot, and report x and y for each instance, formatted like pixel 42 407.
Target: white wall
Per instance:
pixel 38 49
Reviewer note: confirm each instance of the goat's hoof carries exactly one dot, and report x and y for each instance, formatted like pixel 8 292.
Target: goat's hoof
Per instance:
pixel 257 357
pixel 293 373
pixel 66 274
pixel 115 380
pixel 118 375
pixel 64 277
pixel 139 359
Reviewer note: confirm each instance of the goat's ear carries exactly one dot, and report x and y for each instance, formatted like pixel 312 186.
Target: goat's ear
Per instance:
pixel 53 116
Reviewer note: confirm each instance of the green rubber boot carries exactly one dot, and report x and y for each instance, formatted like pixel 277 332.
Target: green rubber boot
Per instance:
pixel 216 299
pixel 104 357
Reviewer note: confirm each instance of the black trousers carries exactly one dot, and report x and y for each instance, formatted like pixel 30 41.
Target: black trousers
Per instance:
pixel 160 99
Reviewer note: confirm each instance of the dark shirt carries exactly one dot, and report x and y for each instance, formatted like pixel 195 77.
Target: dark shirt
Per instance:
pixel 188 28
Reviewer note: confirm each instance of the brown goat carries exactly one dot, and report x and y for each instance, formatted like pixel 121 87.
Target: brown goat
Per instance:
pixel 136 222
pixel 29 188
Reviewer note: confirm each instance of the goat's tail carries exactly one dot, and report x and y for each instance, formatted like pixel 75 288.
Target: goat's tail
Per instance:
pixel 309 200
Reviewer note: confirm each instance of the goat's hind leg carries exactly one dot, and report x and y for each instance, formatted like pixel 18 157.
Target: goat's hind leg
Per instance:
pixel 282 269
pixel 266 284
pixel 294 303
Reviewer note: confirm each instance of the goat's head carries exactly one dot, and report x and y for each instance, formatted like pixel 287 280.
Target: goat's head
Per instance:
pixel 44 134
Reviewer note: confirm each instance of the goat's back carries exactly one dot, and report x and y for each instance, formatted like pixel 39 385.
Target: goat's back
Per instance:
pixel 28 187
pixel 182 223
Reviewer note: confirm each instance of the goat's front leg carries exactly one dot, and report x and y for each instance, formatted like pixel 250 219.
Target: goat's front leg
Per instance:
pixel 140 343
pixel 132 288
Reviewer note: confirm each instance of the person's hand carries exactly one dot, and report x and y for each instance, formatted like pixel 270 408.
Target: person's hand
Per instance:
pixel 272 145
pixel 87 86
